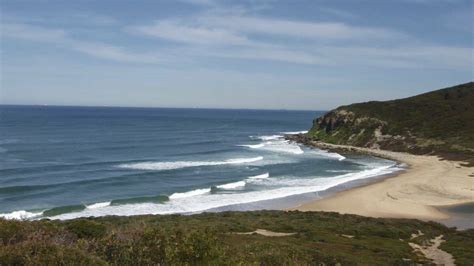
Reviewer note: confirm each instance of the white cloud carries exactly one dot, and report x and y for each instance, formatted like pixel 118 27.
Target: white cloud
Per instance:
pixel 77 19
pixel 59 37
pixel 272 54
pixel 311 43
pixel 299 29
pixel 31 33
pixel 251 38
pixel 175 31
pixel 338 12
pixel 236 29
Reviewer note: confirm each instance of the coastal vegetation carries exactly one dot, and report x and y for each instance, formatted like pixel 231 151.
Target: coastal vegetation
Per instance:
pixel 440 122
pixel 227 238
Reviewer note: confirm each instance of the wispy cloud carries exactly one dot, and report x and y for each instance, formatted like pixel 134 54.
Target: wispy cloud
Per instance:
pixel 338 12
pixel 60 37
pixel 77 19
pixel 180 32
pixel 301 42
pixel 235 29
pixel 219 52
pixel 245 37
pixel 299 29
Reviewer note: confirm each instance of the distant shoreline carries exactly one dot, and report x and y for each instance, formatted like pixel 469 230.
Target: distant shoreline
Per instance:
pixel 422 191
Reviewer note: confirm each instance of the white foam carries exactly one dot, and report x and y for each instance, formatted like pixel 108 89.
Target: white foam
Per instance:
pixel 233 185
pixel 201 199
pixel 339 171
pixel 283 146
pixel 255 146
pixel 262 176
pixel 276 143
pixel 190 193
pixel 295 132
pixel 325 153
pixel 329 182
pixel 185 164
pixel 20 215
pixel 98 205
pixel 270 137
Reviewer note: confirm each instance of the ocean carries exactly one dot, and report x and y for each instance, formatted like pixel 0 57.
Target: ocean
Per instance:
pixel 68 162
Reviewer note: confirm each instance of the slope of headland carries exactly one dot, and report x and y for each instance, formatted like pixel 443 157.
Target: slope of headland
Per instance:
pixel 440 123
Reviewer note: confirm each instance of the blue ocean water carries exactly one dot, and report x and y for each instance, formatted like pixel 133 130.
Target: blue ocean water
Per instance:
pixel 67 162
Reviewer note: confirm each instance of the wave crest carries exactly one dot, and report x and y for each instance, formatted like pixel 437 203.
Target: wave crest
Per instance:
pixel 20 215
pixel 267 138
pixel 328 154
pixel 186 164
pixel 295 132
pixel 253 146
pixel 98 205
pixel 231 186
pixel 180 195
pixel 262 176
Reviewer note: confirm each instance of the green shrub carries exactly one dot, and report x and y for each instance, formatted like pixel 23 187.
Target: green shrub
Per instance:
pixel 34 253
pixel 86 228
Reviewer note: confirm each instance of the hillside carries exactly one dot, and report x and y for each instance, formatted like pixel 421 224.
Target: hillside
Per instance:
pixel 226 239
pixel 439 122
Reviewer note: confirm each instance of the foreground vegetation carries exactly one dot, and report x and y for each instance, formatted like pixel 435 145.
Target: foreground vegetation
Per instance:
pixel 440 122
pixel 211 238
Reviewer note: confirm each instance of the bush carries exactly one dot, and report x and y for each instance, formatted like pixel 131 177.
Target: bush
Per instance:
pixel 34 253
pixel 11 231
pixel 86 228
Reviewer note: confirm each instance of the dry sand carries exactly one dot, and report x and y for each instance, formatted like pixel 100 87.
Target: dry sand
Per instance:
pixel 428 182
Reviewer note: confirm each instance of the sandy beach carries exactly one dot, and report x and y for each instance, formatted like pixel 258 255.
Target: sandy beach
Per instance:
pixel 427 183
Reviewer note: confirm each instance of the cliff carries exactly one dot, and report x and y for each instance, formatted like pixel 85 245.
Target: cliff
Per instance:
pixel 438 122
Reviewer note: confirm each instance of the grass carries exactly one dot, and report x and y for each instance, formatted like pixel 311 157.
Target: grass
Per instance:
pixel 208 239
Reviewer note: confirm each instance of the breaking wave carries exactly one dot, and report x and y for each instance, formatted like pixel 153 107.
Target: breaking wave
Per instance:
pixel 254 146
pixel 186 164
pixel 267 138
pixel 275 143
pixel 262 176
pixel 202 199
pixel 190 193
pixel 328 154
pixel 231 186
pixel 20 215
pixel 295 132
pixel 98 205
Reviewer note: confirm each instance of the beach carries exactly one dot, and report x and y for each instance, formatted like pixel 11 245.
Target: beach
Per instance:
pixel 428 184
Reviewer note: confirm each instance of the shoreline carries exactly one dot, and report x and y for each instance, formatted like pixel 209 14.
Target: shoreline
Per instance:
pixel 421 191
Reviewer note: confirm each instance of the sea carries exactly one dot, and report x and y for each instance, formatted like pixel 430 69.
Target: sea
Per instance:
pixel 68 162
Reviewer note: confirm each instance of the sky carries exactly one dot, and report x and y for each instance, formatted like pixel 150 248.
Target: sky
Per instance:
pixel 268 54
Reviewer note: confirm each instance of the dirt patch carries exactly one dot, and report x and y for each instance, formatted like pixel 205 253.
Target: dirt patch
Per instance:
pixel 264 232
pixel 413 236
pixel 347 236
pixel 432 252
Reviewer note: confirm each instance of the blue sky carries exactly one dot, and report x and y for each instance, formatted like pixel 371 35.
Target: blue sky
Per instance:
pixel 231 54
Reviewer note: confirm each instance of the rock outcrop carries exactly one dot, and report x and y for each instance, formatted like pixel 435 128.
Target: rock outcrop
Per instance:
pixel 346 127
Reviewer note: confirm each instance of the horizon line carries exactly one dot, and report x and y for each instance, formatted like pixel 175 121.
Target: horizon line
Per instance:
pixel 157 107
